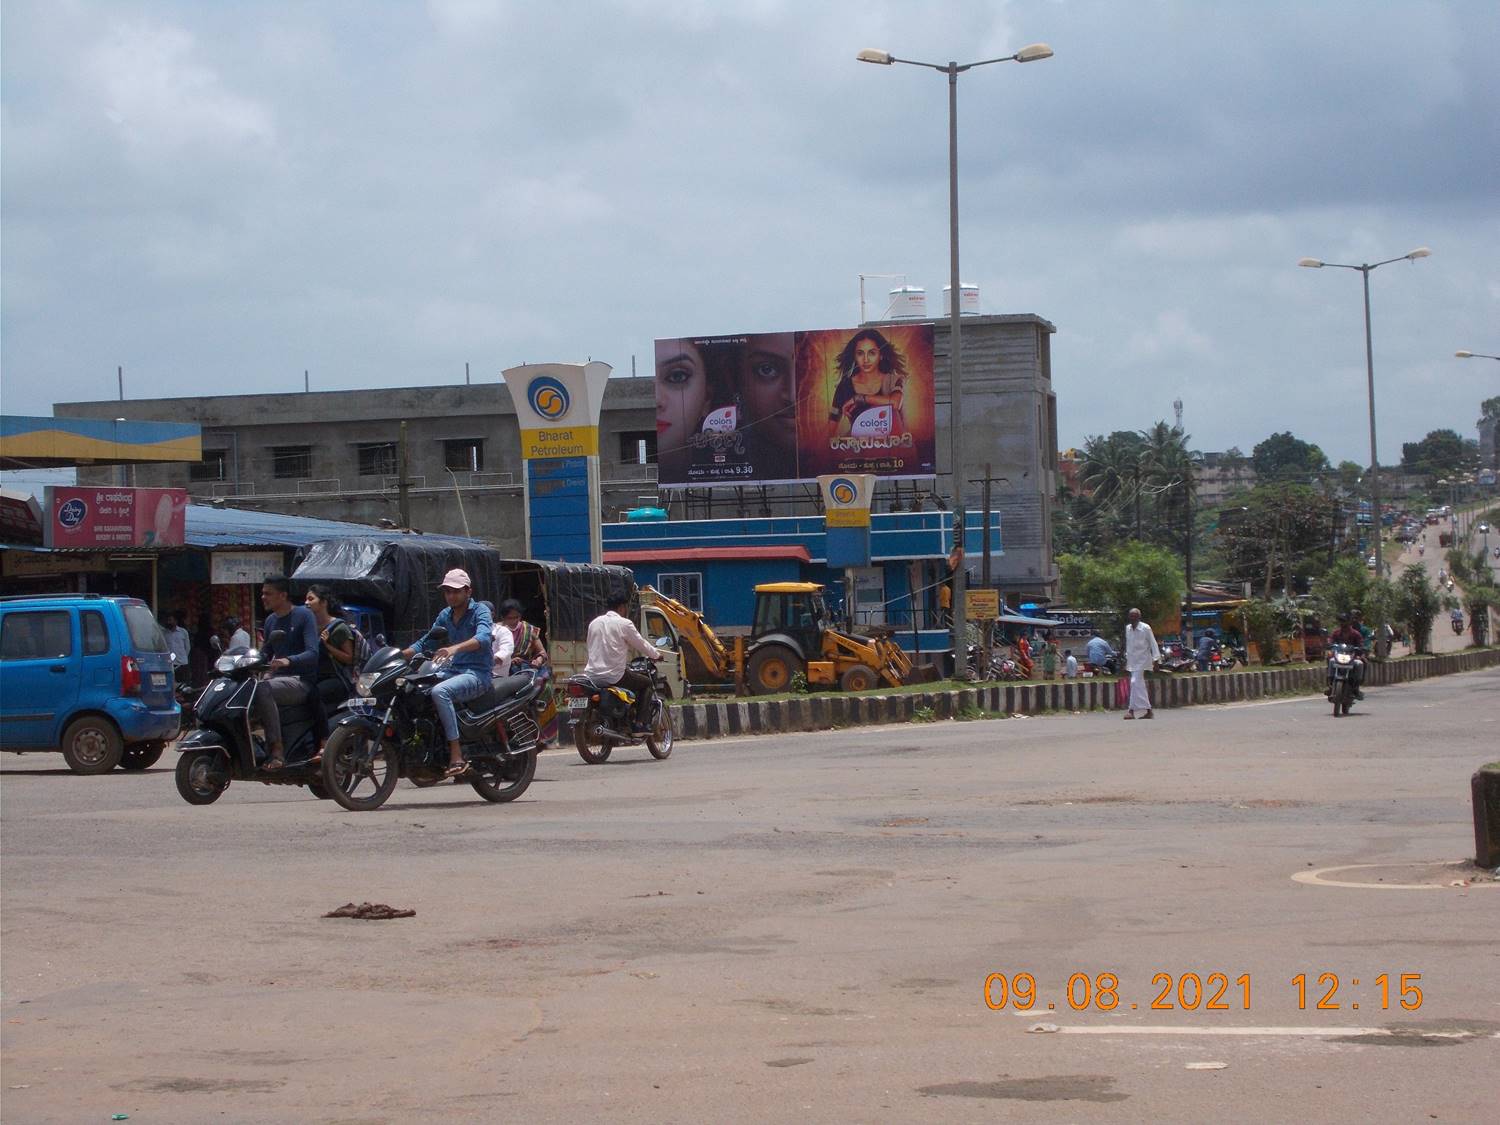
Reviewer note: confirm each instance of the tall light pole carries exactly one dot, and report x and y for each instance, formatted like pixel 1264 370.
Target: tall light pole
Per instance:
pixel 1033 53
pixel 1364 270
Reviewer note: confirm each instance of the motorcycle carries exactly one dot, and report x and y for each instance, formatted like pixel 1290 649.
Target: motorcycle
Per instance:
pixel 1342 665
pixel 1457 623
pixel 999 668
pixel 1175 659
pixel 1221 658
pixel 601 713
pixel 390 729
pixel 222 747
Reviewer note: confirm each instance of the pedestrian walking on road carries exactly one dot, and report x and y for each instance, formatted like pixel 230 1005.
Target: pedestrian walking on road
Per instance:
pixel 1141 655
pixel 1049 659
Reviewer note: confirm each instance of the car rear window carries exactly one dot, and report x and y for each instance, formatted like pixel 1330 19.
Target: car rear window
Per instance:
pixel 145 633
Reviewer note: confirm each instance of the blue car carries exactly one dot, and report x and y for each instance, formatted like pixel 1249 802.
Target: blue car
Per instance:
pixel 86 674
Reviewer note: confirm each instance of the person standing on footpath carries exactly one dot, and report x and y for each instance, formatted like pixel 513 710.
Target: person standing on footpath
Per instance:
pixel 1141 655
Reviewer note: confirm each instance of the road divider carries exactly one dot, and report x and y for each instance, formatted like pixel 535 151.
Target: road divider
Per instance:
pixel 720 719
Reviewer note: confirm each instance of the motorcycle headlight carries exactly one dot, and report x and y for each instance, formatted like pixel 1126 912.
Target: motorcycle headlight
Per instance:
pixel 225 664
pixel 363 685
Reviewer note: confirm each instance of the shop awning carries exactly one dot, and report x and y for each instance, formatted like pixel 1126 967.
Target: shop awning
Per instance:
pixel 706 554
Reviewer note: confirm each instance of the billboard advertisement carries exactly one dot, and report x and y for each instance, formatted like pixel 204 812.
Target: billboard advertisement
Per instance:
pixel 780 407
pixel 80 518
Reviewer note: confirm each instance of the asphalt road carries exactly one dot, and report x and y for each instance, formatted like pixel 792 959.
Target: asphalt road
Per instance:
pixel 790 928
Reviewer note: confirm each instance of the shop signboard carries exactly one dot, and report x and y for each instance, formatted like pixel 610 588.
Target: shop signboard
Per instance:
pixel 982 605
pixel 244 568
pixel 82 518
pixel 785 407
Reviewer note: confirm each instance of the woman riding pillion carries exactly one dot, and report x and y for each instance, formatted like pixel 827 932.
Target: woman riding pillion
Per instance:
pixel 467 657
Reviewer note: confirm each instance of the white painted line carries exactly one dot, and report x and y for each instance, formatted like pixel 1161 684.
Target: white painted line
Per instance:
pixel 1298 1032
pixel 1316 879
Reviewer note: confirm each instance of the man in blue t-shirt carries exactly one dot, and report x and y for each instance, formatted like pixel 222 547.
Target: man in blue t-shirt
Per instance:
pixel 294 666
pixel 467 656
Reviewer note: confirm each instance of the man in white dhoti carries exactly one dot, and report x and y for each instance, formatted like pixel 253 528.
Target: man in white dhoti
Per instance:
pixel 1141 655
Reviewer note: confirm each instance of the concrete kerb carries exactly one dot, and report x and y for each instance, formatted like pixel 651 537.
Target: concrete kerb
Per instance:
pixel 709 720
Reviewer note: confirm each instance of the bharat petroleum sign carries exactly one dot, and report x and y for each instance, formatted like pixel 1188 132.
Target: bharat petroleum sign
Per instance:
pixel 846 498
pixel 557 408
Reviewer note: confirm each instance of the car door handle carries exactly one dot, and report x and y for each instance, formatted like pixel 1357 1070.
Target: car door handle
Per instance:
pixel 58 668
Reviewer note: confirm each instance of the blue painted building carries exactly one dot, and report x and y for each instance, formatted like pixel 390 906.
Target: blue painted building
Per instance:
pixel 713 566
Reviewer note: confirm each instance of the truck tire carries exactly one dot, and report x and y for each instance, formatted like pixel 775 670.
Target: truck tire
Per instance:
pixel 861 677
pixel 771 668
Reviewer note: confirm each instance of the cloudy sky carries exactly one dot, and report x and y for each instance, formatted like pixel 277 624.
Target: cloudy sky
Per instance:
pixel 218 196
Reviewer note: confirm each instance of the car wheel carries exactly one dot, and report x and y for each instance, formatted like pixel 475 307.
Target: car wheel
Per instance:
pixel 92 745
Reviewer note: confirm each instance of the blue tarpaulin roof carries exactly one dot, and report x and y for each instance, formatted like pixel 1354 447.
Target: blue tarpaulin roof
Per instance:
pixel 235 527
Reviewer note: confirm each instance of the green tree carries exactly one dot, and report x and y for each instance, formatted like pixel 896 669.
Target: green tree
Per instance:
pixel 1343 588
pixel 1133 575
pixel 1284 457
pixel 1490 407
pixel 1267 621
pixel 1351 476
pixel 1473 575
pixel 1417 603
pixel 1279 530
pixel 1441 453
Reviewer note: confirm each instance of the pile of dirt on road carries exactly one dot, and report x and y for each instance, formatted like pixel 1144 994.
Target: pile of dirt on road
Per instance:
pixel 370 911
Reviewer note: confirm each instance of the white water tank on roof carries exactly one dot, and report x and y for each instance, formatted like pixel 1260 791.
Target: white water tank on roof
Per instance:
pixel 908 302
pixel 968 300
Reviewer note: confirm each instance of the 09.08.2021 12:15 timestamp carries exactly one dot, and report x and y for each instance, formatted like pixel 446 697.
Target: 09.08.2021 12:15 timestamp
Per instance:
pixel 1212 992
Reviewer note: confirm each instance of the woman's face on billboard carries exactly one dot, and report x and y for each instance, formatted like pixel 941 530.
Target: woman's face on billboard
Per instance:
pixel 681 394
pixel 867 357
pixel 766 390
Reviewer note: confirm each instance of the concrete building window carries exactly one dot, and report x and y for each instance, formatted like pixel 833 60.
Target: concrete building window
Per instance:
pixel 291 462
pixel 638 447
pixel 214 466
pixel 686 588
pixel 377 459
pixel 464 455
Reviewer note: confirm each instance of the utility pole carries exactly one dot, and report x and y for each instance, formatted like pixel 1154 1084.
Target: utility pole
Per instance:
pixel 403 502
pixel 306 383
pixel 120 375
pixel 986 481
pixel 1187 617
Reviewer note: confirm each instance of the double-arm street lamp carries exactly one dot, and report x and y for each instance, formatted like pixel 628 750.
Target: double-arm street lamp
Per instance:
pixel 1033 53
pixel 1364 270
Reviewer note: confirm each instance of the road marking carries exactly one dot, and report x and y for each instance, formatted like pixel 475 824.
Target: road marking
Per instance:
pixel 1285 1032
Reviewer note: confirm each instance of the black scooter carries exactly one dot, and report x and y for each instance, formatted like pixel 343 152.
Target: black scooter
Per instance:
pixel 222 748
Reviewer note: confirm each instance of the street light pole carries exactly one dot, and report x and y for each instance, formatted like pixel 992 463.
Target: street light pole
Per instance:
pixel 1364 270
pixel 1032 53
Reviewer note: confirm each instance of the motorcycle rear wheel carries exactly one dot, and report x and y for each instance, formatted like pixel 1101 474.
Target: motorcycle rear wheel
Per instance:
pixel 358 771
pixel 591 749
pixel 503 779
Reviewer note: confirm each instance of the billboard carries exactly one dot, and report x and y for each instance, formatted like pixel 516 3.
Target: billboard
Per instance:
pixel 80 518
pixel 782 407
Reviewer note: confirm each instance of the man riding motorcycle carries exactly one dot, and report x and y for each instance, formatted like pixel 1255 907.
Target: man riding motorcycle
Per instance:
pixel 1348 634
pixel 294 666
pixel 467 656
pixel 611 639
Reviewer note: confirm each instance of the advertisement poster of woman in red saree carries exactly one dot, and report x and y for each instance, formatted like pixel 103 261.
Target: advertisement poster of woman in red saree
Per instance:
pixel 865 401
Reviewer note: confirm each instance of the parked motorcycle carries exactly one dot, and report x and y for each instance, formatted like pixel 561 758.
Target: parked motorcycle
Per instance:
pixel 390 728
pixel 601 713
pixel 1174 658
pixel 1341 668
pixel 222 746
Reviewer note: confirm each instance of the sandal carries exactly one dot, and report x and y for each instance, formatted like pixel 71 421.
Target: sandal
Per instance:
pixel 1130 716
pixel 456 770
pixel 275 764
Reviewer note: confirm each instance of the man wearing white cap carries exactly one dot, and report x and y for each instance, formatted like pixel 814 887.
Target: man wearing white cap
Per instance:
pixel 467 656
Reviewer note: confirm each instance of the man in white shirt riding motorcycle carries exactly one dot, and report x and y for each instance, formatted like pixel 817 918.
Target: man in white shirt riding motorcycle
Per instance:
pixel 611 641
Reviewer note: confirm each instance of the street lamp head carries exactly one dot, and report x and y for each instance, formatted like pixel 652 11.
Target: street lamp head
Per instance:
pixel 1311 263
pixel 1464 355
pixel 1033 53
pixel 874 55
pixel 1419 252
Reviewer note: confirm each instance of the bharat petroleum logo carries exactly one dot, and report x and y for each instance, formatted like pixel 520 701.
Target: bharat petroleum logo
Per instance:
pixel 843 491
pixel 548 397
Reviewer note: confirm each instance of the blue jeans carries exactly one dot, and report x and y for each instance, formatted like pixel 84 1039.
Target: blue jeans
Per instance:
pixel 452 690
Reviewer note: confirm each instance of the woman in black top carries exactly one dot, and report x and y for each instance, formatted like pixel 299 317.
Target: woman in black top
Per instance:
pixel 335 646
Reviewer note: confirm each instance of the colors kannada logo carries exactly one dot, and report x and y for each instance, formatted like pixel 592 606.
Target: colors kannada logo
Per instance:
pixel 843 491
pixel 548 397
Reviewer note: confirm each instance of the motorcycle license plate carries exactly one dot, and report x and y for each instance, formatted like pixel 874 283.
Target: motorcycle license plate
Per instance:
pixel 577 703
pixel 159 680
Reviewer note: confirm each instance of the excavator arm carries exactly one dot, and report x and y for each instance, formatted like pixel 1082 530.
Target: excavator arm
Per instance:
pixel 707 659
